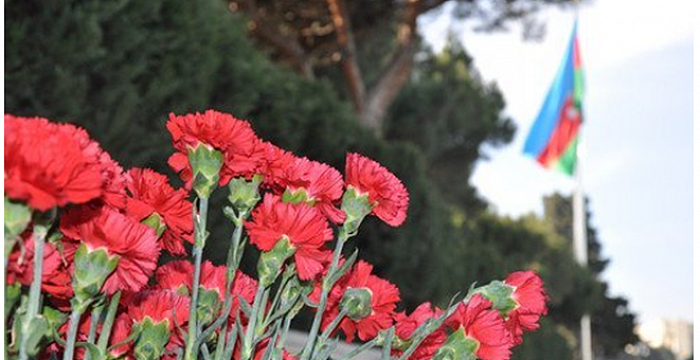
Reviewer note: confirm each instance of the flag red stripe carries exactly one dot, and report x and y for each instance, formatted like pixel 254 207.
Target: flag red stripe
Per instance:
pixel 565 131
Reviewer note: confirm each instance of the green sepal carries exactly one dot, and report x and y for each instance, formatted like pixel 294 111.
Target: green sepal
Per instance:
pixel 155 222
pixel 296 197
pixel 357 302
pixel 501 296
pixel 244 194
pixel 55 318
pixel 270 262
pixel 206 163
pixel 457 347
pixel 35 331
pixel 91 269
pixel 356 208
pixel 152 338
pixel 17 217
pixel 12 295
pixel 208 305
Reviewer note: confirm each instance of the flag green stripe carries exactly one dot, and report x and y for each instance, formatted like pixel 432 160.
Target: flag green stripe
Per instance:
pixel 567 161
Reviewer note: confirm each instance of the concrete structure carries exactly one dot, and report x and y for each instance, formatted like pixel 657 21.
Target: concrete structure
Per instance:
pixel 297 339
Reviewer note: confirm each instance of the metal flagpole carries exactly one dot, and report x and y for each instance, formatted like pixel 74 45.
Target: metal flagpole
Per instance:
pixel 580 234
pixel 581 247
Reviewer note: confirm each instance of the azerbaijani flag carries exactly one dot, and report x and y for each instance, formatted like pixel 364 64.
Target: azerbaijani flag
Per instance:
pixel 554 135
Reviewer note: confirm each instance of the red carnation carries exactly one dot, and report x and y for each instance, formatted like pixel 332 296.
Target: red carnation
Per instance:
pixel 233 137
pixel 483 325
pixel 531 298
pixel 406 325
pixel 160 305
pixel 178 274
pixel 151 194
pixel 104 227
pixel 56 278
pixel 113 180
pixel 175 275
pixel 384 294
pixel 303 226
pixel 384 190
pixel 46 167
pixel 322 185
pixel 273 164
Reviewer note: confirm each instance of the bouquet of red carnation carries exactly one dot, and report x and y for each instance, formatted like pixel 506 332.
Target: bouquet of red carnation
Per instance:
pixel 83 239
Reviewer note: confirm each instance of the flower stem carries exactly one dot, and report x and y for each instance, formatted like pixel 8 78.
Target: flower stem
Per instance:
pixel 360 349
pixel 200 221
pixel 40 231
pixel 103 340
pixel 247 348
pixel 232 263
pixel 92 333
pixel 72 334
pixel 325 290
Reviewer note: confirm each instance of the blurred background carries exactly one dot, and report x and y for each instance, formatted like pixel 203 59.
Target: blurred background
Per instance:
pixel 442 93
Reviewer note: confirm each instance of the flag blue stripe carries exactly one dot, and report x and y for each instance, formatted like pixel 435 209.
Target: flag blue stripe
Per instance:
pixel 547 120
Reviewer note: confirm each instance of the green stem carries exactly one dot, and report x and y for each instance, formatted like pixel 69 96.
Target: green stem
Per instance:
pixel 103 340
pixel 200 222
pixel 92 333
pixel 232 267
pixel 247 348
pixel 331 327
pixel 40 232
pixel 325 290
pixel 360 349
pixel 72 334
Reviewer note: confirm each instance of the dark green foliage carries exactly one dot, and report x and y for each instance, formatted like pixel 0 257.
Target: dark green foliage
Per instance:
pixel 449 112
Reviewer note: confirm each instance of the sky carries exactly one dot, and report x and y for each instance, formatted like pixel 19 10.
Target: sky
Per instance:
pixel 637 139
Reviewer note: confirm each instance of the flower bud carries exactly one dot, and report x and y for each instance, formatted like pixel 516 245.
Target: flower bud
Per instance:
pixel 17 217
pixel 270 262
pixel 356 206
pixel 91 269
pixel 155 222
pixel 206 163
pixel 152 338
pixel 357 302
pixel 457 347
pixel 501 296
pixel 244 194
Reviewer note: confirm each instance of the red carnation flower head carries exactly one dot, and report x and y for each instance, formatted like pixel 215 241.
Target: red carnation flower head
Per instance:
pixel 406 325
pixel 385 192
pixel 530 296
pixel 315 183
pixel 273 165
pixel 46 167
pixel 175 275
pixel 366 322
pixel 159 306
pixel 114 182
pixel 152 200
pixel 135 244
pixel 120 332
pixel 303 228
pixel 56 278
pixel 478 328
pixel 232 137
pixel 113 179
